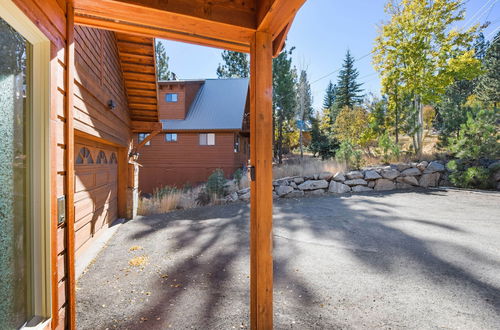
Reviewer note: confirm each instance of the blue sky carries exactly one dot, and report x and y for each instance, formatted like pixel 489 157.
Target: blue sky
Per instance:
pixel 322 32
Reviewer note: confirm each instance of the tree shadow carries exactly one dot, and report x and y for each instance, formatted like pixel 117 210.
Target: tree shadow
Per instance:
pixel 208 250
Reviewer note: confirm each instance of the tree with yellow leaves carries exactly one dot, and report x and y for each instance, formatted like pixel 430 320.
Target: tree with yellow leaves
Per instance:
pixel 418 55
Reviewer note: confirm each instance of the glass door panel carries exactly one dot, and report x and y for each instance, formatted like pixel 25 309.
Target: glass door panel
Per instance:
pixel 14 178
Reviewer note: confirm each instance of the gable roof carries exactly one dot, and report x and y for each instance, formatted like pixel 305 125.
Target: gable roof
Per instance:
pixel 218 105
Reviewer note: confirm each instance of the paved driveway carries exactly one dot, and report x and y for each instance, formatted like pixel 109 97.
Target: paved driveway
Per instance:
pixel 419 260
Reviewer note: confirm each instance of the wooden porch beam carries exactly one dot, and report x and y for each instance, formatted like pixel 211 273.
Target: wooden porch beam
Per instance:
pixel 146 140
pixel 239 13
pixel 145 21
pixel 261 200
pixel 145 126
pixel 279 41
pixel 275 15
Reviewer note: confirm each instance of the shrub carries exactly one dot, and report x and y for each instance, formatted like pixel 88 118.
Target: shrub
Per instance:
pixel 476 141
pixel 237 176
pixel 350 154
pixel 478 137
pixel 215 183
pixel 469 177
pixel 389 148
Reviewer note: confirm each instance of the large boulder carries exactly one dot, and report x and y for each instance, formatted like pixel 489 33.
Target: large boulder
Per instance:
pixel 339 176
pixel 402 166
pixel 298 180
pixel 384 184
pixel 390 173
pixel 245 197
pixel 355 182
pixel 429 180
pixel 283 190
pixel 233 197
pixel 231 186
pixel 338 188
pixel 411 172
pixel 402 185
pixel 325 176
pixel 434 167
pixel 295 194
pixel 317 192
pixel 371 175
pixel 361 189
pixel 409 180
pixel 313 185
pixel 243 191
pixel 422 165
pixel 352 175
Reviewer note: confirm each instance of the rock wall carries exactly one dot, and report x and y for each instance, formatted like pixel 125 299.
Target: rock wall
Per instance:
pixel 380 178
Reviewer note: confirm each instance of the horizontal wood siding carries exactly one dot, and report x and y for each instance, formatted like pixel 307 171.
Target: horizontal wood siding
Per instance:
pixel 185 161
pixel 98 79
pixel 186 93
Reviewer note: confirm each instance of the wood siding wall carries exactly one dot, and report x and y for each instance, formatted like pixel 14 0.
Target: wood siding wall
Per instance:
pixel 185 161
pixel 98 79
pixel 186 93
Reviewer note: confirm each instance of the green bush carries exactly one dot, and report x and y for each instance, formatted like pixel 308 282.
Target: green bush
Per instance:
pixel 350 154
pixel 237 176
pixel 215 183
pixel 471 177
pixel 478 137
pixel 390 149
pixel 476 141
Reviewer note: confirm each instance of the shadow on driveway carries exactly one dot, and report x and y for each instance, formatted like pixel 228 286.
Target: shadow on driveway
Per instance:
pixel 419 259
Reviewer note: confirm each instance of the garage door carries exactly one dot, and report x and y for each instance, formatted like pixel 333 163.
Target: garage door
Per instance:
pixel 96 176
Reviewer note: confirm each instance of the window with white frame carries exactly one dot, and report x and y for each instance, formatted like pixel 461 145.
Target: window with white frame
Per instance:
pixel 142 137
pixel 171 97
pixel 236 143
pixel 207 139
pixel 171 137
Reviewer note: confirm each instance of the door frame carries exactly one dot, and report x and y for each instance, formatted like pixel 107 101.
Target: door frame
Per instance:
pixel 39 175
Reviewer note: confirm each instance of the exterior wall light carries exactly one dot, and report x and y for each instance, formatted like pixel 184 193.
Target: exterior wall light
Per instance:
pixel 111 105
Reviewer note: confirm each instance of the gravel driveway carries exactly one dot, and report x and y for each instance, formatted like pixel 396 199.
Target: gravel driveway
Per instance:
pixel 418 259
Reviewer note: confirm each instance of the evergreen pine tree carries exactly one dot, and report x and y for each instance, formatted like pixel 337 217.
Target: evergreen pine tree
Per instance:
pixel 329 101
pixel 284 97
pixel 304 106
pixel 235 65
pixel 488 87
pixel 162 71
pixel 348 89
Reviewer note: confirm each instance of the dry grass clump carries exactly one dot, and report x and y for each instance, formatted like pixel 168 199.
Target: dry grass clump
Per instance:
pixel 138 261
pixel 135 248
pixel 169 199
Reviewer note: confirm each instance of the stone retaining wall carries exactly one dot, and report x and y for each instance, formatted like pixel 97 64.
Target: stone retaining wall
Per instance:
pixel 381 178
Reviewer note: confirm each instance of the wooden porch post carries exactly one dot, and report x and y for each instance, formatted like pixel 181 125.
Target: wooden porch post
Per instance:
pixel 70 169
pixel 261 201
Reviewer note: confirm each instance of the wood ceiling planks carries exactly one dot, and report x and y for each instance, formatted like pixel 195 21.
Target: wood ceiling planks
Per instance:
pixel 139 75
pixel 228 24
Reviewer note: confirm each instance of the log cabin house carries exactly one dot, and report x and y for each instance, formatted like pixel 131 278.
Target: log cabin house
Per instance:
pixel 205 127
pixel 77 81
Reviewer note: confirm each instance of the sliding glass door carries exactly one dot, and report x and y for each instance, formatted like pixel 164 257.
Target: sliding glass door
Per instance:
pixel 15 162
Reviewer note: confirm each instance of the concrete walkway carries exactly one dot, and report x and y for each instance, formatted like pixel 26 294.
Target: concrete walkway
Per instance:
pixel 418 260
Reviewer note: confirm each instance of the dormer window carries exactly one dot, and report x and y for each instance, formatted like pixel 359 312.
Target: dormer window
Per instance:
pixel 171 97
